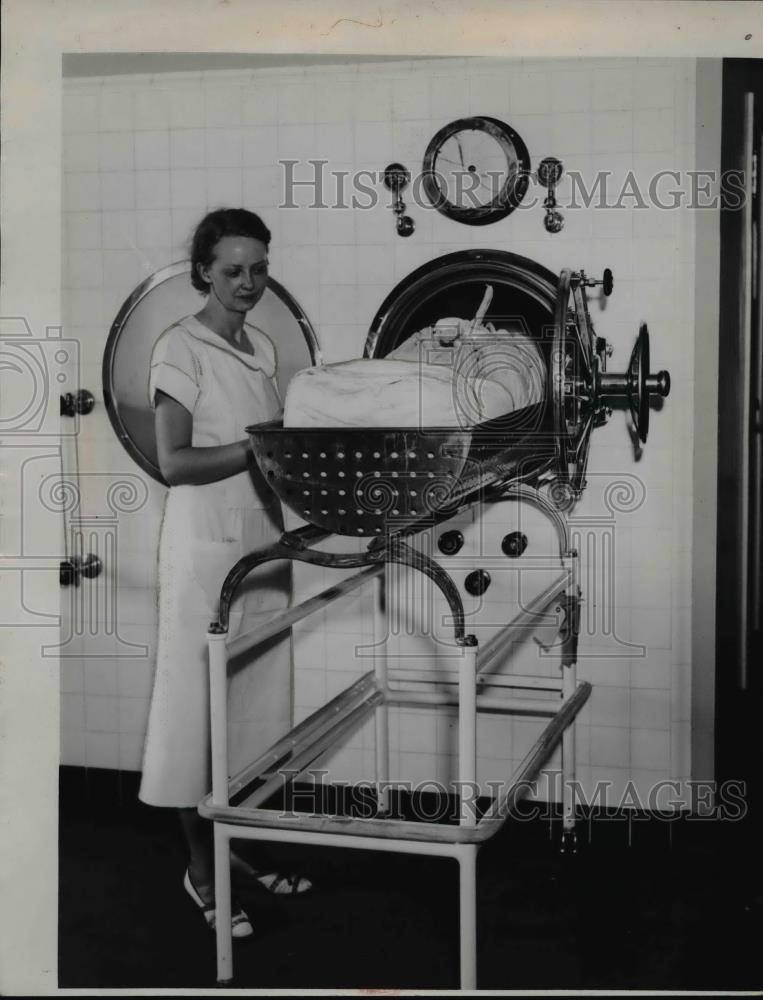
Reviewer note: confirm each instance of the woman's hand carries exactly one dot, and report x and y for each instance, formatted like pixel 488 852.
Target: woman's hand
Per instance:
pixel 179 462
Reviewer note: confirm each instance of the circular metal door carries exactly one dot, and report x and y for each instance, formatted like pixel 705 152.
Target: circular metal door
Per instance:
pixel 156 304
pixel 523 302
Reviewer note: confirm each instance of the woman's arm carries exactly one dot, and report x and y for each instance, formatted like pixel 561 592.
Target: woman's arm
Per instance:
pixel 179 462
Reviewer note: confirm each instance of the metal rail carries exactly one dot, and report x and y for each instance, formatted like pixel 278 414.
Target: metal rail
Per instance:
pixel 285 619
pixel 360 828
pixel 495 646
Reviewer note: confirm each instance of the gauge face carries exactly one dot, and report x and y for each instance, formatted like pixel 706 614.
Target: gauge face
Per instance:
pixel 476 170
pixel 472 168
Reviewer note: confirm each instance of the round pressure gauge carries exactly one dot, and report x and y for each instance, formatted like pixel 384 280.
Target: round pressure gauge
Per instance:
pixel 476 170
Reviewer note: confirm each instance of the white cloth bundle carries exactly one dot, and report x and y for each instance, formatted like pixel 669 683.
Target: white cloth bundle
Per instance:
pixel 389 393
pixel 481 354
pixel 455 374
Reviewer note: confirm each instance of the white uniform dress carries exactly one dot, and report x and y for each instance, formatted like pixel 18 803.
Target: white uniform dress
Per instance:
pixel 205 530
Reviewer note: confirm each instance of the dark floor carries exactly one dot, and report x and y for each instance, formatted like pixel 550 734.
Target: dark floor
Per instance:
pixel 644 904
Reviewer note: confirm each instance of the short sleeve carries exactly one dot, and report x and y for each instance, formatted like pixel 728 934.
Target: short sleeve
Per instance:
pixel 174 369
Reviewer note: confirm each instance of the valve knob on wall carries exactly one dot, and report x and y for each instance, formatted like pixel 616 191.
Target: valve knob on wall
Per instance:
pixel 450 542
pixel 477 582
pixel 607 281
pixel 72 569
pixel 514 544
pixel 549 174
pixel 396 179
pixel 82 402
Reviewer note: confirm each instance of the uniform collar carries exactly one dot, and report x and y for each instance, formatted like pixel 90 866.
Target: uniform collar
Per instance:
pixel 261 360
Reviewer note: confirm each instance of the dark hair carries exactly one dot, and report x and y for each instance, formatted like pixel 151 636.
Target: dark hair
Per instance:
pixel 212 228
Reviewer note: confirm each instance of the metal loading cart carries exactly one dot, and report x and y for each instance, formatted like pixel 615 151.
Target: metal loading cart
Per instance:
pixel 388 485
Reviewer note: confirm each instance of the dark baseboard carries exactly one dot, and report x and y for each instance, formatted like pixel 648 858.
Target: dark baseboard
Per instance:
pixel 85 788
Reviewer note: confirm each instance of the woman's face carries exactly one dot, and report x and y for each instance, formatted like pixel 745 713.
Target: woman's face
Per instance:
pixel 238 274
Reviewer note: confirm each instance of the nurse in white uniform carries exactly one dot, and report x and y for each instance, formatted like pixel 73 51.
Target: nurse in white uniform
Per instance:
pixel 211 375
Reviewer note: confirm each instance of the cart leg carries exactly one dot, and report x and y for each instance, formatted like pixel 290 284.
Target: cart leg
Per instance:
pixel 467 861
pixel 571 630
pixel 569 836
pixel 223 906
pixel 381 715
pixel 467 731
pixel 381 718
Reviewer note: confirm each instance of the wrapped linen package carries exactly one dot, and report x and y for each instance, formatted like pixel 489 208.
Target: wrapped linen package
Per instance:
pixel 451 375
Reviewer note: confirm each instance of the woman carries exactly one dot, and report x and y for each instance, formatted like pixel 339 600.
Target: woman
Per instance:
pixel 211 375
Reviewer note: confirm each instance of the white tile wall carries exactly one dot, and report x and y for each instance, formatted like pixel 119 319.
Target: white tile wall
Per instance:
pixel 144 158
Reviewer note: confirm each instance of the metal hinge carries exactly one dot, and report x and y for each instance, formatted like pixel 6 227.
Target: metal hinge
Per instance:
pixel 73 403
pixel 72 569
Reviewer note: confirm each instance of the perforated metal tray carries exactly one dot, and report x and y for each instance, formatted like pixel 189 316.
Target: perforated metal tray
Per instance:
pixel 376 480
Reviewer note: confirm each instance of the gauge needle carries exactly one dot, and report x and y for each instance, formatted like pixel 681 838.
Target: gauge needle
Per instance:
pixel 446 159
pixel 460 151
pixel 480 177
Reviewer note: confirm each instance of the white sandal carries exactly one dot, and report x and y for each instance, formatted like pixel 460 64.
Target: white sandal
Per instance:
pixel 279 885
pixel 284 885
pixel 240 926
